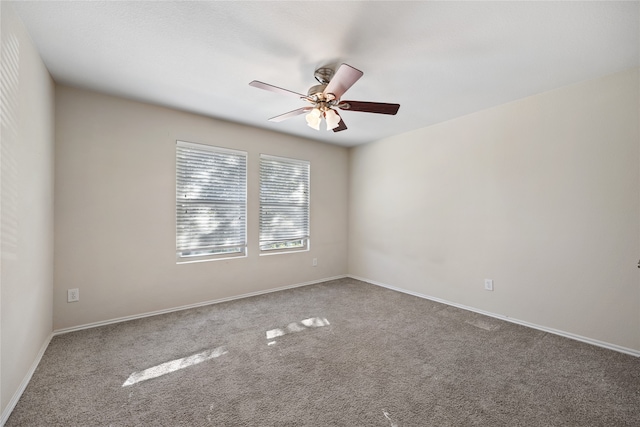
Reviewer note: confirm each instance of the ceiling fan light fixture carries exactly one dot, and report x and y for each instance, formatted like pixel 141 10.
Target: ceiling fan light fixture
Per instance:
pixel 313 118
pixel 326 96
pixel 333 119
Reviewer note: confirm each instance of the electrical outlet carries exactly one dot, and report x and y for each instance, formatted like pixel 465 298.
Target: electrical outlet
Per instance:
pixel 73 295
pixel 315 262
pixel 488 284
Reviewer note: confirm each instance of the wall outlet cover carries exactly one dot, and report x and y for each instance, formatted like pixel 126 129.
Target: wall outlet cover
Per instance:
pixel 73 295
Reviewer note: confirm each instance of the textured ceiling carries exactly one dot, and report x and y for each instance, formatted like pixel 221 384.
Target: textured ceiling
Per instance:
pixel 439 60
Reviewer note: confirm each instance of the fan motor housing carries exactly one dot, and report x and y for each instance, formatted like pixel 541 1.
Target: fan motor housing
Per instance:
pixel 324 75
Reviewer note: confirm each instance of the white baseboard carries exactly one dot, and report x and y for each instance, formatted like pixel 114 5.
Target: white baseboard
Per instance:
pixel 186 307
pixel 587 340
pixel 25 381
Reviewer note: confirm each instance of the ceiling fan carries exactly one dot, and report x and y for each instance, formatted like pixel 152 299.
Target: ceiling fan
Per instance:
pixel 326 96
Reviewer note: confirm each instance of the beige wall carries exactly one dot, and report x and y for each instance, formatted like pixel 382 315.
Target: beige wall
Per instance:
pixel 27 134
pixel 541 195
pixel 115 210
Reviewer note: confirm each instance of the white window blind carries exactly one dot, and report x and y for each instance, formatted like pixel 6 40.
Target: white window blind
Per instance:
pixel 284 203
pixel 211 201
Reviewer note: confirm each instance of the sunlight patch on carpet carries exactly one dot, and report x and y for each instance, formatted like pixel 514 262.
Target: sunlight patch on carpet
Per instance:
pixel 174 365
pixel 313 322
pixel 388 417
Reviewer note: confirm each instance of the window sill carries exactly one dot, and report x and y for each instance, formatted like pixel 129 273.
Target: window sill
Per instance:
pixel 283 251
pixel 192 261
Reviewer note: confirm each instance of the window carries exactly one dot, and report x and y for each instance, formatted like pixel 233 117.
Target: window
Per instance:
pixel 284 204
pixel 211 202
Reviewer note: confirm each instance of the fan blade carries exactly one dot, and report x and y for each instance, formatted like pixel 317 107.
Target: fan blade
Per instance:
pixel 370 107
pixel 341 125
pixel 290 114
pixel 276 89
pixel 342 80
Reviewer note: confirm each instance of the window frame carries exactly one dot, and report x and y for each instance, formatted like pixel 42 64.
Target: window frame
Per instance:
pixel 306 239
pixel 243 247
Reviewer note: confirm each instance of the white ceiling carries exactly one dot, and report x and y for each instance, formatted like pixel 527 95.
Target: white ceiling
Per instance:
pixel 439 60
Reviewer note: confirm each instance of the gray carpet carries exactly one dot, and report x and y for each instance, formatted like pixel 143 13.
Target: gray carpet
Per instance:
pixel 340 353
